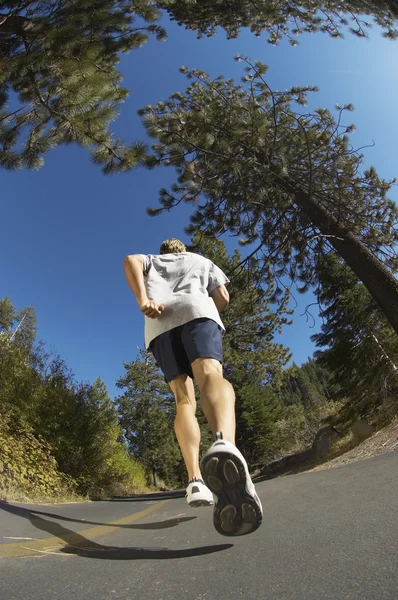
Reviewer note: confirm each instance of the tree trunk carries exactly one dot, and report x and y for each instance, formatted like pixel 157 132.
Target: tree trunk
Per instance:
pixel 155 478
pixel 378 280
pixel 384 352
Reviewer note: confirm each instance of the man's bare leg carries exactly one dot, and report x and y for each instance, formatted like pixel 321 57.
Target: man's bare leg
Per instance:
pixel 237 509
pixel 186 425
pixel 217 397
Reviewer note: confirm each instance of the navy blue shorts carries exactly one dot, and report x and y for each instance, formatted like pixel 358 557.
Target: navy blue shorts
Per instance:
pixel 175 350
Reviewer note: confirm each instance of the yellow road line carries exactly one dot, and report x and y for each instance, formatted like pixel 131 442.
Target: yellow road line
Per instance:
pixel 73 538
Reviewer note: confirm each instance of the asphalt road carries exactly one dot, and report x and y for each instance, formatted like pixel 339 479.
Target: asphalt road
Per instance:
pixel 326 535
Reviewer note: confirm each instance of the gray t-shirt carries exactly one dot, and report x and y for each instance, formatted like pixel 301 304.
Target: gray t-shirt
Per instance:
pixel 181 282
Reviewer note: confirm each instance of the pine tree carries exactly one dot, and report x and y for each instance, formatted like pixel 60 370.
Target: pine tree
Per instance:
pixel 146 415
pixel 17 326
pixel 361 347
pixel 20 381
pixel 60 59
pixel 80 423
pixel 289 184
pixel 309 385
pixel 287 387
pixel 320 377
pixel 284 18
pixel 258 411
pixel 95 430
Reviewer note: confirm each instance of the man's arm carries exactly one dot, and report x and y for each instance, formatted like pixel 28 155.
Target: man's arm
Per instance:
pixel 220 296
pixel 134 271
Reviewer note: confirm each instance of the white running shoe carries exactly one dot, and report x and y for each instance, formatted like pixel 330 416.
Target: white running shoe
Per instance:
pixel 198 494
pixel 238 509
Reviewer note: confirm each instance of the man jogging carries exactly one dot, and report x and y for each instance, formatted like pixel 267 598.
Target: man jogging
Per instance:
pixel 182 295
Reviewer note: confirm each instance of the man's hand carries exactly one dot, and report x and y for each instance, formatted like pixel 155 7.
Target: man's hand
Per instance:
pixel 151 309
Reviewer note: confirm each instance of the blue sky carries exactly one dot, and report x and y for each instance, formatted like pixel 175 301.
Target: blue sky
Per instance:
pixel 66 228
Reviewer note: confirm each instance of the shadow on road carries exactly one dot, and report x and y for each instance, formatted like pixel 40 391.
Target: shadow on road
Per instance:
pixel 93 550
pixel 156 525
pixel 77 544
pixel 169 495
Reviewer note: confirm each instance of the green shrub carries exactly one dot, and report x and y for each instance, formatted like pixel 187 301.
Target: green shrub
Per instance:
pixel 27 466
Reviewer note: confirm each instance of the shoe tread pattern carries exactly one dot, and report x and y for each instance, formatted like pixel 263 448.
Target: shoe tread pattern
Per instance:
pixel 236 511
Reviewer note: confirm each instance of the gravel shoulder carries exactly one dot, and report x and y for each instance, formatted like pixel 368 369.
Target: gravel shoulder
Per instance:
pixel 383 441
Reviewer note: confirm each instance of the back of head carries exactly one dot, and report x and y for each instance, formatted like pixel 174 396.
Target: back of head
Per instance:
pixel 172 246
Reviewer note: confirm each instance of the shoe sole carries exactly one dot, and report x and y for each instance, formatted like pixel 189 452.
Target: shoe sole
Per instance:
pixel 199 503
pixel 237 511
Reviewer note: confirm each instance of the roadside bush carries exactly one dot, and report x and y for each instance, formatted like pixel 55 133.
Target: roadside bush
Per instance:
pixel 27 466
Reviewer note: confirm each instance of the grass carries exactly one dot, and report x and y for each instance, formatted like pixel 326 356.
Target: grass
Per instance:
pixel 343 445
pixel 13 494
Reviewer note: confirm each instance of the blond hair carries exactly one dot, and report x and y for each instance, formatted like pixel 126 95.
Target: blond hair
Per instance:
pixel 172 246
